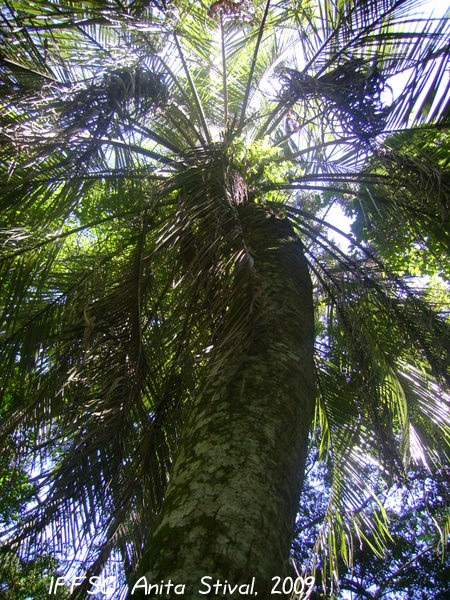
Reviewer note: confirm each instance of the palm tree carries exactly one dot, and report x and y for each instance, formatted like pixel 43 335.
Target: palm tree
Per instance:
pixel 167 168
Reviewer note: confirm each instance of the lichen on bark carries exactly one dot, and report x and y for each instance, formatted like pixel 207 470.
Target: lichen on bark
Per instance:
pixel 233 493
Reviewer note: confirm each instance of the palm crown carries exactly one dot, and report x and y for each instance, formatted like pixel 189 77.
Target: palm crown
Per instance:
pixel 132 132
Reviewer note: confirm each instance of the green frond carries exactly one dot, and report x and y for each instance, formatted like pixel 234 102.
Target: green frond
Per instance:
pixel 370 424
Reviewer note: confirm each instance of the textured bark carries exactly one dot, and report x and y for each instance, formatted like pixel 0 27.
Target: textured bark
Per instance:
pixel 231 502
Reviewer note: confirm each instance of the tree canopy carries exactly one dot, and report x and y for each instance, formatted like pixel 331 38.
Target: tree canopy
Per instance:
pixel 134 137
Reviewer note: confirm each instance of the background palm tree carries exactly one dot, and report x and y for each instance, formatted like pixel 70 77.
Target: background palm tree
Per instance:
pixel 161 163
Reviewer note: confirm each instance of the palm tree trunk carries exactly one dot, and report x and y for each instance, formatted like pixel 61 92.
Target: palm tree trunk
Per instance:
pixel 231 502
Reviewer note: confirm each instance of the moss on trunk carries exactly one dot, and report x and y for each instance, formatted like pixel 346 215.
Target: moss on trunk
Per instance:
pixel 231 502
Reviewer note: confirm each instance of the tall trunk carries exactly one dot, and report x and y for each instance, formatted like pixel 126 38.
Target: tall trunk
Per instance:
pixel 231 502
